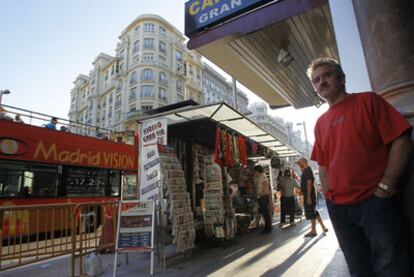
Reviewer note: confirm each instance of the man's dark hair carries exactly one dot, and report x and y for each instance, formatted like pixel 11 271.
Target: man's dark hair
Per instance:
pixel 53 119
pixel 258 168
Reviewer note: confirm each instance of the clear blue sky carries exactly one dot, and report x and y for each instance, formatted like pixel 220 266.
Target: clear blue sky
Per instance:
pixel 45 44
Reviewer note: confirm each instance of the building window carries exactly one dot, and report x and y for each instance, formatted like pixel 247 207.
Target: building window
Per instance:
pixel 148 57
pixel 147 75
pixel 133 78
pixel 180 98
pixel 163 79
pixel 122 55
pixel 106 76
pixel 132 94
pixel 117 101
pixel 148 43
pixel 119 85
pixel 162 30
pixel 135 47
pixel 149 27
pixel 179 85
pixel 147 91
pixel 146 108
pixel 162 59
pixel 162 94
pixel 136 59
pixel 137 29
pixel 179 56
pixel 190 69
pixel 163 47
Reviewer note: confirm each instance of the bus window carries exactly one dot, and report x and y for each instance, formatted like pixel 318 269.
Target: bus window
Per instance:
pixel 115 182
pixel 10 180
pixel 45 181
pixel 27 180
pixel 27 184
pixel 85 181
pixel 130 186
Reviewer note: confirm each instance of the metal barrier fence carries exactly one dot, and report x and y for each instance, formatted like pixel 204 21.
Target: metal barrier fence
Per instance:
pixel 95 230
pixel 33 233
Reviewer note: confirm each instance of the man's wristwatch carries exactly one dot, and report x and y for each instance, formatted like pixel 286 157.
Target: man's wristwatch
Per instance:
pixel 385 188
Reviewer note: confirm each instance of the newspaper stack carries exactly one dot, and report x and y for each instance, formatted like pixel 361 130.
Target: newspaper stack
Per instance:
pixel 180 213
pixel 213 197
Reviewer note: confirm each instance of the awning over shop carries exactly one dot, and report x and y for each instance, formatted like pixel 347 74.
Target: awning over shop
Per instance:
pixel 268 47
pixel 224 115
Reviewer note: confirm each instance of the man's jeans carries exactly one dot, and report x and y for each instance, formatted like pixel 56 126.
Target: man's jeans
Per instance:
pixel 371 237
pixel 287 206
pixel 264 210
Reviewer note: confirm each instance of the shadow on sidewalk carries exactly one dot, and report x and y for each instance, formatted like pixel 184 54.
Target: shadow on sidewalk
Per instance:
pixel 295 256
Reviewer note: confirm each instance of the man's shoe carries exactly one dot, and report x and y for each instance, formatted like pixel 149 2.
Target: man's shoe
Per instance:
pixel 310 235
pixel 292 223
pixel 281 224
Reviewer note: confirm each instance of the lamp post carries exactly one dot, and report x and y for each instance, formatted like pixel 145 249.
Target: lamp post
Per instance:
pixel 306 138
pixel 6 91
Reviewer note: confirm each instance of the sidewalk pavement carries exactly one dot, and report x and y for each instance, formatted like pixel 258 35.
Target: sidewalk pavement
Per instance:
pixel 284 252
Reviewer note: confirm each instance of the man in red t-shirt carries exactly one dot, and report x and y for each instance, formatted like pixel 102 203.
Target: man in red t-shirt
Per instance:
pixel 362 146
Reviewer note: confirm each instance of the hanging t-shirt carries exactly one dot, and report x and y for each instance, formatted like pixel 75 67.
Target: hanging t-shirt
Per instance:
pixel 351 141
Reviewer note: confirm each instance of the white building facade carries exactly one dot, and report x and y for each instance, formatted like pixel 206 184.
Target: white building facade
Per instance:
pixel 217 89
pixel 277 126
pixel 151 69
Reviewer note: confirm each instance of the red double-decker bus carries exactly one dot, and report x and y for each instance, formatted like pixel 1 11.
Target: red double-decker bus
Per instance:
pixel 41 166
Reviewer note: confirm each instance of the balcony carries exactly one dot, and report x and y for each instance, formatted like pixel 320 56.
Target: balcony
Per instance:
pixel 117 103
pixel 147 80
pixel 163 65
pixel 148 62
pixel 164 82
pixel 147 96
pixel 132 97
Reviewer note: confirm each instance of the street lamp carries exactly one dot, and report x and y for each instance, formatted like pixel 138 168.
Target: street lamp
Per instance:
pixel 6 91
pixel 306 138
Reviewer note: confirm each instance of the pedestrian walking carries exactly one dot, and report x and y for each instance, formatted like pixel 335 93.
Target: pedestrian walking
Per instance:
pixel 362 146
pixel 263 186
pixel 286 186
pixel 307 186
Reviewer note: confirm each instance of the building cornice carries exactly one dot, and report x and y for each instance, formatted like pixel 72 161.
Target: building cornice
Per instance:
pixel 155 18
